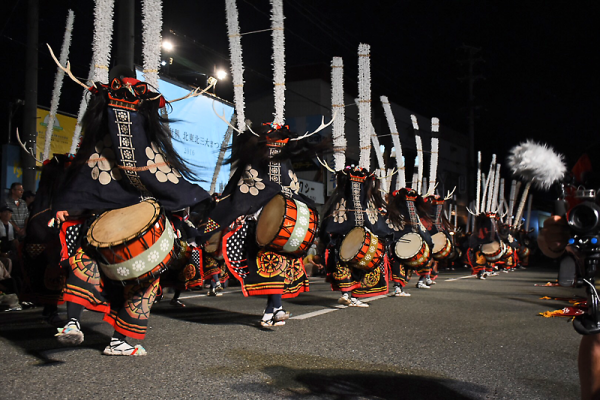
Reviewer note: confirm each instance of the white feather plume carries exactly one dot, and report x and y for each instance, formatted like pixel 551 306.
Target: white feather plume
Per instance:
pixel 537 163
pixel 58 81
pixel 103 28
pixel 419 146
pixel 337 107
pixel 364 105
pixel 435 148
pixel 387 108
pixel 151 39
pixel 278 60
pixel 237 65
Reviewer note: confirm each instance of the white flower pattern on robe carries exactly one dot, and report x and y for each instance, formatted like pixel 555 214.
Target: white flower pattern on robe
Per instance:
pixel 339 214
pixel 250 182
pixel 159 166
pixel 372 212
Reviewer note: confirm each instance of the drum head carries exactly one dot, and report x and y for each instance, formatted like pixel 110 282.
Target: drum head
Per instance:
pixel 213 243
pixel 439 242
pixel 119 226
pixel 352 243
pixel 408 245
pixel 269 221
pixel 490 248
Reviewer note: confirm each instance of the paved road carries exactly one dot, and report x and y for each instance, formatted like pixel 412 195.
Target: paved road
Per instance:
pixel 462 339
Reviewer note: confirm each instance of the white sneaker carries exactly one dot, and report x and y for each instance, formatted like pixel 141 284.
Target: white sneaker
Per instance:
pixel 357 303
pixel 422 285
pixel 430 282
pixel 345 299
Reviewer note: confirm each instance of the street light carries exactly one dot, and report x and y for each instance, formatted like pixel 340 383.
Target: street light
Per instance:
pixel 221 74
pixel 167 45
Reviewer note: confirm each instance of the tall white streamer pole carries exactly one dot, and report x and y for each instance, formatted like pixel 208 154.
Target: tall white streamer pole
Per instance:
pixel 237 65
pixel 103 28
pixel 278 60
pixel 528 217
pixel 486 191
pixel 419 146
pixel 494 205
pixel 364 105
pixel 152 39
pixel 478 187
pixel 387 108
pixel 376 146
pixel 435 128
pixel 58 81
pixel 511 201
pixel 338 109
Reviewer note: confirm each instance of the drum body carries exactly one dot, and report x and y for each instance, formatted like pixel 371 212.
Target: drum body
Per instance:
pixel 412 250
pixel 442 246
pixel 287 226
pixel 494 251
pixel 361 249
pixel 135 243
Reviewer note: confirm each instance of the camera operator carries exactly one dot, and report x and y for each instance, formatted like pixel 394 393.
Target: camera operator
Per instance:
pixel 577 236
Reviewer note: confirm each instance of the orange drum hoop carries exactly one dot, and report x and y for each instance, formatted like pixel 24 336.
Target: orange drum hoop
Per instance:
pixel 412 250
pixel 494 251
pixel 135 243
pixel 442 246
pixel 361 249
pixel 287 225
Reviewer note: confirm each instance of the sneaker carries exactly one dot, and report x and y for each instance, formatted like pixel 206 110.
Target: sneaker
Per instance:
pixel 481 276
pixel 70 334
pixel 422 285
pixel 218 288
pixel 430 282
pixel 16 307
pixel 505 271
pixel 213 292
pixel 357 303
pixel 176 303
pixel 122 348
pixel 345 299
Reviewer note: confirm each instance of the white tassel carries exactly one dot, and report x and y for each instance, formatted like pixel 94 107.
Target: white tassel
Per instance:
pixel 387 108
pixel 237 65
pixel 435 128
pixel 278 60
pixel 419 146
pixel 152 40
pixel 338 108
pixel 58 81
pixel 478 187
pixel 364 105
pixel 103 28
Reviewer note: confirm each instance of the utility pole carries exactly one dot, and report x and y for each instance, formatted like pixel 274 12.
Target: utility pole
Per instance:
pixel 125 13
pixel 31 96
pixel 471 78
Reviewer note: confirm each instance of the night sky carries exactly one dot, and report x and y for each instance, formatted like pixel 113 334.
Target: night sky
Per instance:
pixel 539 59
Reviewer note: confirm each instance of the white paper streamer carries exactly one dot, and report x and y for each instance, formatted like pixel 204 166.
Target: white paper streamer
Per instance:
pixel 389 116
pixel 435 146
pixel 364 105
pixel 237 65
pixel 486 190
pixel 419 146
pixel 511 201
pixel 528 217
pixel 58 81
pixel 338 108
pixel 278 60
pixel 151 39
pixel 103 28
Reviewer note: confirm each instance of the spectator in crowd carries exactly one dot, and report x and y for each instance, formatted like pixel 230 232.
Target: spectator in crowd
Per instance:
pixel 19 208
pixel 29 197
pixel 7 252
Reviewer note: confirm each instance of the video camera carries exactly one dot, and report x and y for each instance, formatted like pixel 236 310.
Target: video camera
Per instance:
pixel 580 269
